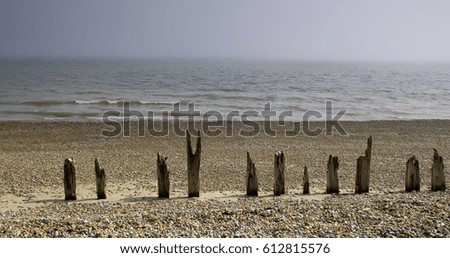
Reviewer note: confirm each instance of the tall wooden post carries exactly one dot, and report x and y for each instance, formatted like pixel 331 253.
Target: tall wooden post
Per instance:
pixel 363 170
pixel 305 181
pixel 252 179
pixel 279 165
pixel 70 184
pixel 332 175
pixel 163 176
pixel 100 180
pixel 193 166
pixel 412 175
pixel 437 173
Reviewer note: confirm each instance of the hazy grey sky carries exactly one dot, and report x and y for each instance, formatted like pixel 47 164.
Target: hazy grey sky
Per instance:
pixel 391 30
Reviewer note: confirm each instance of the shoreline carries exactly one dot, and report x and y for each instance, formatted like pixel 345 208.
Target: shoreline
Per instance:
pixel 62 120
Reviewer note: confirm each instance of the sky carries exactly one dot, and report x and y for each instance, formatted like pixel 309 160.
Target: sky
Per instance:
pixel 355 30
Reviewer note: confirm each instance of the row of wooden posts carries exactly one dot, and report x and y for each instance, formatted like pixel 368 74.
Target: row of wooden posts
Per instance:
pixel 412 175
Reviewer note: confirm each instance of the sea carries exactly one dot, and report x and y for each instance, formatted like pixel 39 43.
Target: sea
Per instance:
pixel 75 89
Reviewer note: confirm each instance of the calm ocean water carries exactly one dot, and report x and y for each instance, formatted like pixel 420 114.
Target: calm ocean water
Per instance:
pixel 84 89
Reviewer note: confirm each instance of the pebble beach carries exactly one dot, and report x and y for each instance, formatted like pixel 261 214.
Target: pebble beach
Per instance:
pixel 32 193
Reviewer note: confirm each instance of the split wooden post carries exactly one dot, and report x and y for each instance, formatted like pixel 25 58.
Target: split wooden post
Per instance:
pixel 437 173
pixel 279 165
pixel 70 184
pixel 332 175
pixel 412 175
pixel 252 179
pixel 363 170
pixel 305 181
pixel 193 166
pixel 100 181
pixel 163 176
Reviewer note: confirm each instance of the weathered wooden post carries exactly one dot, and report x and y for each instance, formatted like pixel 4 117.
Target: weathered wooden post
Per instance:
pixel 412 175
pixel 305 181
pixel 163 176
pixel 252 179
pixel 193 166
pixel 437 173
pixel 279 165
pixel 70 184
pixel 100 180
pixel 363 170
pixel 332 175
